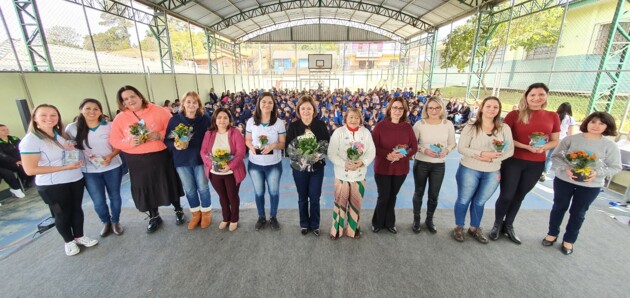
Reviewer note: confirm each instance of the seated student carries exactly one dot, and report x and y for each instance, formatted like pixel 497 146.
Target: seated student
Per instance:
pixel 10 162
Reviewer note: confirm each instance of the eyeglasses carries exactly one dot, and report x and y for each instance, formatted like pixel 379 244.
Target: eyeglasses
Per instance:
pixel 398 108
pixel 434 108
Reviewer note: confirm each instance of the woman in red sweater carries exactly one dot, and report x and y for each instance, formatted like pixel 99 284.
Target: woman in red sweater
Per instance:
pixel 395 144
pixel 520 173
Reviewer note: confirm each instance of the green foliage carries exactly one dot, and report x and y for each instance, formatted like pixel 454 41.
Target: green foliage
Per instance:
pixel 115 38
pixel 63 35
pixel 530 32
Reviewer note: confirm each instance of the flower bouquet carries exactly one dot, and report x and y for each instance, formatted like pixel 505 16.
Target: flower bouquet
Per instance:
pixel 402 149
pixel 538 139
pixel 263 140
pixel 220 159
pixel 305 150
pixel 139 130
pixel 582 164
pixel 499 146
pixel 182 135
pixel 355 151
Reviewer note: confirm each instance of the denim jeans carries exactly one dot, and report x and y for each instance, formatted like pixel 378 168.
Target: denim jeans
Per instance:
pixel 434 173
pixel 96 184
pixel 474 188
pixel 271 176
pixel 580 198
pixel 548 160
pixel 309 188
pixel 195 185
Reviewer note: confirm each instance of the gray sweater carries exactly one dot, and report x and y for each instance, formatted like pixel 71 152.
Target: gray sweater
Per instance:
pixel 608 158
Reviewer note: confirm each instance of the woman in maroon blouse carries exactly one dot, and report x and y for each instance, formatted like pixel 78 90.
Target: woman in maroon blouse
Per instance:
pixel 395 145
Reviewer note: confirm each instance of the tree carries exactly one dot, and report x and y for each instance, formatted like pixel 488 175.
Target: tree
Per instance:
pixel 539 30
pixel 63 35
pixel 115 38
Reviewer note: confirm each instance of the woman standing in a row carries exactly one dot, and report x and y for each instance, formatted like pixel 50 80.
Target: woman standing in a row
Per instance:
pixel 350 171
pixel 395 144
pixel 308 181
pixel 483 144
pixel 436 139
pixel 222 135
pixel 59 183
pixel 187 160
pixel 138 131
pixel 102 167
pixel 520 173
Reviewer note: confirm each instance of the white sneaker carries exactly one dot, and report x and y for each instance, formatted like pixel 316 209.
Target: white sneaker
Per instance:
pixel 86 241
pixel 17 192
pixel 72 248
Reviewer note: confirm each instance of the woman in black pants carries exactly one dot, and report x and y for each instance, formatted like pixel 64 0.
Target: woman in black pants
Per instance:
pixel 520 173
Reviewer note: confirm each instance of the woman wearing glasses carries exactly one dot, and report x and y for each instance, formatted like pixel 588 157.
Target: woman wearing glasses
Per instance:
pixel 436 139
pixel 395 144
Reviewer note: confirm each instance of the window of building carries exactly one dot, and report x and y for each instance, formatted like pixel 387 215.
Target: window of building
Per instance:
pixel 365 64
pixel 602 38
pixel 303 63
pixel 541 52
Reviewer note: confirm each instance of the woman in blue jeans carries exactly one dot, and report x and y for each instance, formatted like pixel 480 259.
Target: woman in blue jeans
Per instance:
pixel 574 194
pixel 308 179
pixel 478 173
pixel 188 162
pixel 102 167
pixel 265 137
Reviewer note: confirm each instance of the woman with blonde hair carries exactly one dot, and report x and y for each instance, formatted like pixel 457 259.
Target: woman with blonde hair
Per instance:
pixel 436 139
pixel 534 131
pixel 188 163
pixel 350 170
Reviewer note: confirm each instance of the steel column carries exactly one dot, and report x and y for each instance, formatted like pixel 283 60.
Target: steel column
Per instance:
pixel 32 34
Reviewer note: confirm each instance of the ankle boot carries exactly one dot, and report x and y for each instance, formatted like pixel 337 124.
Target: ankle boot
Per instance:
pixel 430 226
pixel 416 224
pixel 206 219
pixel 496 231
pixel 194 221
pixel 509 232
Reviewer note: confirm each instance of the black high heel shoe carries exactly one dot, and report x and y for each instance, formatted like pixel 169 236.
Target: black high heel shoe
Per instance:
pixel 546 242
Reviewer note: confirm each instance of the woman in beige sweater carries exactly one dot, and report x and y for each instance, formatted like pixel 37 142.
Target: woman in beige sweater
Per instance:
pixel 484 144
pixel 436 139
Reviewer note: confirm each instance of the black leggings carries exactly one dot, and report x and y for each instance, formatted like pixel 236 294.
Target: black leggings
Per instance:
pixel 388 187
pixel 518 177
pixel 65 202
pixel 9 177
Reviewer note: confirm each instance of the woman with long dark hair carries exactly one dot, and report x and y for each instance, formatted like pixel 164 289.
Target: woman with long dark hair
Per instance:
pixel 102 167
pixel 59 180
pixel 478 173
pixel 530 125
pixel 574 194
pixel 395 144
pixel 188 162
pixel 139 130
pixel 226 180
pixel 567 125
pixel 265 137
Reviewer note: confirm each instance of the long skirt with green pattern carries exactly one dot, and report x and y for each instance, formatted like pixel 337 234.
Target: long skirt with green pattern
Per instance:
pixel 347 210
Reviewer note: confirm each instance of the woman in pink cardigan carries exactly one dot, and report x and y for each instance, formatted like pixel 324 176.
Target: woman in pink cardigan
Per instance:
pixel 226 179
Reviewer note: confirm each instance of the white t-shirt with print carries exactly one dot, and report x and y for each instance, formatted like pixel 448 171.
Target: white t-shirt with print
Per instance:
pixel 98 139
pixel 272 132
pixel 50 155
pixel 567 122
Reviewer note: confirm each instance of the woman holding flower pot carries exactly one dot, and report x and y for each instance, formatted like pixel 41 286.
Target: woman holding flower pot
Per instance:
pixel 265 137
pixel 534 131
pixel 484 144
pixel 307 140
pixel 223 151
pixel 351 150
pixel 581 162
pixel 138 131
pixel 186 130
pixel 395 144
pixel 436 139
